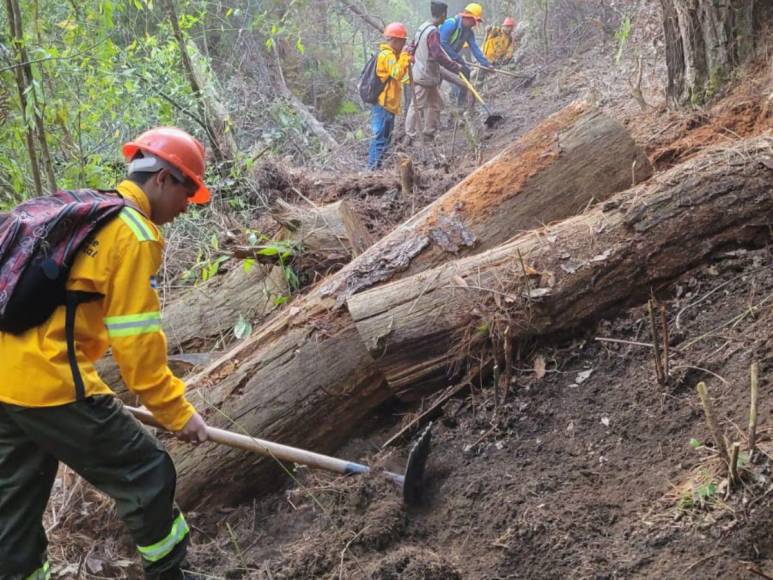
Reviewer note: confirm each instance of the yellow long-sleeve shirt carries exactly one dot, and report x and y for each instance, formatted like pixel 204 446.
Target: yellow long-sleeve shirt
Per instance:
pixel 391 68
pixel 120 264
pixel 499 46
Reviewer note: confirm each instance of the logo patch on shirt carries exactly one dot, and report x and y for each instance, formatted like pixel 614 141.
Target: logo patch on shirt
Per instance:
pixel 153 282
pixel 92 249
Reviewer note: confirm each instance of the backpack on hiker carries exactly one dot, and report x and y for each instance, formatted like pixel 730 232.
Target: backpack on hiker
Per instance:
pixel 39 241
pixel 370 85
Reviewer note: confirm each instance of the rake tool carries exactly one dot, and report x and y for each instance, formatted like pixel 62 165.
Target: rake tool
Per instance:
pixel 411 481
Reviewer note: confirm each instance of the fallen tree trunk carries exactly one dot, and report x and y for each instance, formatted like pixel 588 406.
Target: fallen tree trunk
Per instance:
pixel 202 318
pixel 333 229
pixel 204 314
pixel 576 156
pixel 180 364
pixel 305 377
pixel 577 271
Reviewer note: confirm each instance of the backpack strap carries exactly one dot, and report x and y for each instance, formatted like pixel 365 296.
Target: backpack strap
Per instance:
pixel 72 300
pixel 424 28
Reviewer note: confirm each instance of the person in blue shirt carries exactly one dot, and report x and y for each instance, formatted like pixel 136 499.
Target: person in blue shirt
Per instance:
pixel 454 34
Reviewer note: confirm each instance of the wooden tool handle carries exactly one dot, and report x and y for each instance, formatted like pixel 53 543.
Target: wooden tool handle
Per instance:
pixel 472 89
pixel 263 447
pixel 499 71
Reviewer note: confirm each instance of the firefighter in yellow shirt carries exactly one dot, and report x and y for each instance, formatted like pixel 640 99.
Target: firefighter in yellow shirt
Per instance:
pixel 499 44
pixel 391 67
pixel 54 406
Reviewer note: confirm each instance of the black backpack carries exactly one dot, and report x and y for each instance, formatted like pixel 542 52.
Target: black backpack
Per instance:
pixel 369 85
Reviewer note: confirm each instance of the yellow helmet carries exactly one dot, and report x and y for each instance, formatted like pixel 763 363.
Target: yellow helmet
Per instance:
pixel 473 10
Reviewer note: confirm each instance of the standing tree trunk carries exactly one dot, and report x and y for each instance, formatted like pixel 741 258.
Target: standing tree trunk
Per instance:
pixel 302 110
pixel 354 9
pixel 22 86
pixel 705 41
pixel 214 124
pixel 37 108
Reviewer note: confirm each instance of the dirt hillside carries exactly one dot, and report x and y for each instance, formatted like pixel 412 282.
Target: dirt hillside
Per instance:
pixel 589 468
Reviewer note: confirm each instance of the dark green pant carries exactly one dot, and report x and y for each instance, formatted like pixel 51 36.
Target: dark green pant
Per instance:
pixel 100 441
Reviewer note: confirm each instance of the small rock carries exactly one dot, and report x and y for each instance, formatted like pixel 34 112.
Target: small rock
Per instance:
pixel 583 376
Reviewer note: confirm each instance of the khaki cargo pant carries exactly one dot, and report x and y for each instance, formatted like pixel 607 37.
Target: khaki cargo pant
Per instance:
pixel 425 107
pixel 99 440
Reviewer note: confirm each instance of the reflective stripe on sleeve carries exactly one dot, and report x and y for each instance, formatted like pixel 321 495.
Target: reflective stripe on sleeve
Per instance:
pixel 133 324
pixel 42 573
pixel 132 218
pixel 163 548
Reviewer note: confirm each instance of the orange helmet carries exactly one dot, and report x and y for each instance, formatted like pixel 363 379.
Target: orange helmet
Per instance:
pixel 396 30
pixel 177 148
pixel 508 22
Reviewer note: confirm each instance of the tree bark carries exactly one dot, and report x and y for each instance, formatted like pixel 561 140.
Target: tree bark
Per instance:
pixel 200 317
pixel 308 365
pixel 331 230
pixel 582 269
pixel 706 41
pixel 576 156
pixel 203 317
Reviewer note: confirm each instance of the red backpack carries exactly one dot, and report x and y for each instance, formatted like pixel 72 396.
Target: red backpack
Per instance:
pixel 39 240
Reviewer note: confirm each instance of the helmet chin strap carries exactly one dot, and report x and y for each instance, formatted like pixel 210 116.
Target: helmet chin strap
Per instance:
pixel 151 164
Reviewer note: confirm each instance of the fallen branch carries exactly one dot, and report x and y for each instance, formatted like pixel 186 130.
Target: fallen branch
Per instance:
pixel 732 322
pixel 757 572
pixel 431 411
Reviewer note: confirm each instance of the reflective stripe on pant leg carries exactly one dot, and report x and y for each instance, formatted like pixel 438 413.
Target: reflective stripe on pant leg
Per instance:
pixel 42 573
pixel 164 547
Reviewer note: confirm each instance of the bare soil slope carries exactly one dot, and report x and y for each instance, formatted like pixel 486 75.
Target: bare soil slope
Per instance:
pixel 590 469
pixel 589 474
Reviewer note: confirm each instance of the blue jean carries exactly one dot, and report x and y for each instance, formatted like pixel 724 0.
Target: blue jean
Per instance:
pixel 381 124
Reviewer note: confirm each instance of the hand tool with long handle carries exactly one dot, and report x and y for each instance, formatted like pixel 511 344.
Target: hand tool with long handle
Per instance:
pixel 411 481
pixel 493 118
pixel 499 71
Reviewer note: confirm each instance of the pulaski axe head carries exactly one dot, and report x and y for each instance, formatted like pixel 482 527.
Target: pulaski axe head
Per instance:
pixel 413 482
